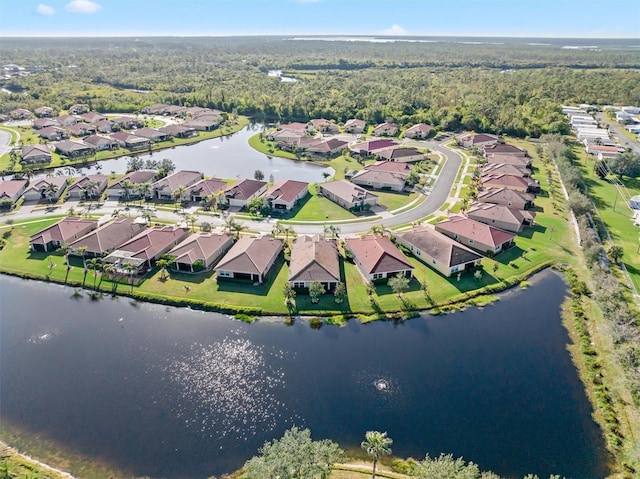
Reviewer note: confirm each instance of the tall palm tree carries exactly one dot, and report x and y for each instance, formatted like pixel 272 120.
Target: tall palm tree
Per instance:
pixel 178 195
pixel 94 264
pixel 143 190
pixel 377 229
pixel 127 187
pixel 277 229
pixel 129 269
pixel 377 444
pixel 162 264
pixel 82 250
pixel 232 226
pixel 50 191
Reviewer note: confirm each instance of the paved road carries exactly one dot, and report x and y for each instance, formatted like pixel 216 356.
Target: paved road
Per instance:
pixel 618 131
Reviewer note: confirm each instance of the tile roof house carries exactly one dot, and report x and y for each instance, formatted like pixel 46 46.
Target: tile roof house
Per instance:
pixel 518 183
pixel 354 126
pixel 45 112
pixel 87 187
pixel 400 154
pixel 244 190
pixel 206 248
pixel 378 258
pixel 81 129
pixel 151 134
pixel 314 259
pixel 347 195
pixel 507 159
pixel 419 131
pixel 293 126
pixel 78 109
pixel 74 148
pixel 66 120
pixel 63 232
pixel 285 135
pixel 135 178
pixel 285 194
pixel 386 129
pixel 53 133
pixel 210 186
pixel 20 114
pixel 249 259
pixel 12 190
pixel 31 154
pixel 324 126
pixel 439 251
pixel 178 131
pixel 92 117
pixel 380 179
pixel 144 249
pixel 478 236
pixel 326 147
pixel 163 188
pixel 204 123
pixel 505 169
pixel 506 197
pixel 127 122
pixel 130 141
pixel 503 149
pixel 369 147
pixel 40 123
pixel 48 188
pixel 503 217
pixel 108 237
pixel 478 140
pixel 106 126
pixel 101 143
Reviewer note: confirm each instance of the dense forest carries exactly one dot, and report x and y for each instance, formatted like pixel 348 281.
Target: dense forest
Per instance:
pixel 514 87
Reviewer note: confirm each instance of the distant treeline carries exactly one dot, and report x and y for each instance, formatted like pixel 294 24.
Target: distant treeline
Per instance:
pixel 513 88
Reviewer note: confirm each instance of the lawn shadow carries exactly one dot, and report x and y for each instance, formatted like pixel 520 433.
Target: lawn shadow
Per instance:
pixel 513 253
pixel 529 231
pixel 275 214
pixel 383 289
pixel 193 278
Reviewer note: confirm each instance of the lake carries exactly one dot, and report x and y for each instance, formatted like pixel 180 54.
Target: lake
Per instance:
pixel 176 393
pixel 227 157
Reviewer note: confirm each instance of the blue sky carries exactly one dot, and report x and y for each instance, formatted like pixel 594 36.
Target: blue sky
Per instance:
pixel 523 18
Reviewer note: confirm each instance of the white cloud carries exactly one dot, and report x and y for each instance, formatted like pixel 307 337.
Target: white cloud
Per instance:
pixel 45 10
pixel 82 6
pixel 395 30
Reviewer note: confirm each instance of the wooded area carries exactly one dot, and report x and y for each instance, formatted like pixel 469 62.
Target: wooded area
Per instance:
pixel 514 87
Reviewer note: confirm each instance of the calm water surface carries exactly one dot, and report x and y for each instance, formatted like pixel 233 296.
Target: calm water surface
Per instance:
pixel 227 157
pixel 176 393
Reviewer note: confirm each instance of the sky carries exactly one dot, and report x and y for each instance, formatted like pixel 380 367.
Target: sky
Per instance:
pixel 520 18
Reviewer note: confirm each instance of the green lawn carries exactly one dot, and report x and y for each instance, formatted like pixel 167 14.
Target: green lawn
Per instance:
pixel 392 200
pixel 318 208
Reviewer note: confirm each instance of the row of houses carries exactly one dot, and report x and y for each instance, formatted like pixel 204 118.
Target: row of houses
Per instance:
pixel 597 141
pixel 45 112
pixel 51 188
pixel 356 126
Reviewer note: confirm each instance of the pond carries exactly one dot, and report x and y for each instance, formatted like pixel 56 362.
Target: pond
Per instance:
pixel 227 157
pixel 175 393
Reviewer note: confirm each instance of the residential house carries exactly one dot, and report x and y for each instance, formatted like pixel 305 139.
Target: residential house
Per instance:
pixel 67 120
pixel 200 251
pixel 78 109
pixel 155 109
pixel 604 151
pixel 386 129
pixel 178 131
pixel 506 159
pixel 399 154
pixel 12 189
pixel 249 259
pixel 117 190
pixel 203 188
pixel 92 117
pixel 378 258
pixel 285 194
pixel 53 133
pixel 503 149
pixel 355 126
pixel 314 259
pixel 285 135
pixel 175 110
pixel 328 147
pixel 45 112
pixel 88 187
pixel 380 177
pixel 478 236
pixel 33 154
pixel 127 122
pixel 74 148
pixel 244 190
pixel 154 136
pixel 20 114
pixel 505 169
pixel 164 188
pixel 107 238
pixel 130 141
pixel 106 126
pixel 324 126
pixel 507 197
pixel 419 131
pixel 439 251
pixel 48 188
pixel 517 183
pixel 81 129
pixel 64 231
pixel 500 216
pixel 293 126
pixel 203 123
pixel 101 143
pixel 479 140
pixel 368 148
pixel 144 249
pixel 40 123
pixel 348 195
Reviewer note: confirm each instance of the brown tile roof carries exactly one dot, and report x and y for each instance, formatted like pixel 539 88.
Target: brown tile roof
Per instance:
pixel 503 148
pixel 505 169
pixel 391 166
pixel 136 177
pixel 69 146
pixel 206 187
pixel 507 181
pixel 347 191
pixel 480 138
pixel 377 254
pixel 40 184
pixel 380 176
pixel 314 259
pixel 10 188
pixel 397 153
pixel 440 247
pixel 354 122
pixel 81 182
pixel 149 133
pixel 96 140
pixel 44 122
pixel 372 145
pixel 154 241
pixel 179 178
pixel 505 194
pixel 64 231
pixel 294 126
pixel 244 189
pixel 507 159
pixel 109 236
pixel 175 129
pixel 200 246
pixel 420 127
pixel 35 150
pixel 285 190
pixel 479 232
pixel 250 255
pixel 489 211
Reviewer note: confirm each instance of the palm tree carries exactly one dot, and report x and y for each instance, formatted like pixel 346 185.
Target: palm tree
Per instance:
pixel 178 195
pixel 377 444
pixel 333 230
pixel 288 230
pixel 377 229
pixel 126 186
pixel 94 264
pixel 232 226
pixel 162 264
pixel 143 189
pixel 277 229
pixel 50 191
pixel 130 269
pixel 82 250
